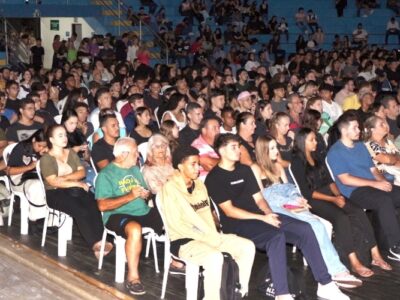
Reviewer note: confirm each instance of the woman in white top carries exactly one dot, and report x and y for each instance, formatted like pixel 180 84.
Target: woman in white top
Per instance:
pixel 25 84
pixel 175 110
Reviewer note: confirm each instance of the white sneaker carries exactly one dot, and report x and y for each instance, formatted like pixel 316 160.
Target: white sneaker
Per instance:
pixel 330 291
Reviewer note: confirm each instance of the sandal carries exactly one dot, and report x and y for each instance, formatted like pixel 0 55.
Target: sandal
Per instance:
pixel 382 264
pixel 107 249
pixel 363 271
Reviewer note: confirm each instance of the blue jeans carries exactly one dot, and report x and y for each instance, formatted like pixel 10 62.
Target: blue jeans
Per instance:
pixel 331 257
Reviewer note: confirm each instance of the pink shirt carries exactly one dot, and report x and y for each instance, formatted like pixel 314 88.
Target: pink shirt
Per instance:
pixel 205 151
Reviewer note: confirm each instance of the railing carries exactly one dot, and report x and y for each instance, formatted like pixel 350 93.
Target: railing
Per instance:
pixel 122 9
pixel 7 28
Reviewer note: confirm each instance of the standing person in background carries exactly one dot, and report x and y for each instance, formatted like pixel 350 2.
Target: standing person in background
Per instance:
pixel 340 6
pixel 37 55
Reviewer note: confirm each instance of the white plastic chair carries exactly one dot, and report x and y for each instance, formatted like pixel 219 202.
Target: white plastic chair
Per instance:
pixel 120 104
pixel 328 225
pixel 142 148
pixel 6 182
pixel 57 119
pixel 65 222
pixel 120 256
pixel 155 115
pixel 24 204
pixel 192 270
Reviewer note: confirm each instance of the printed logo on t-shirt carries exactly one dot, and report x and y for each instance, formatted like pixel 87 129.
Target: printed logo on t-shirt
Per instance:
pixel 126 184
pixel 24 134
pixel 237 181
pixel 199 205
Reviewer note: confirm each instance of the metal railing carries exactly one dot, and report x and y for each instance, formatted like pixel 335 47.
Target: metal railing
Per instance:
pixel 122 10
pixel 7 29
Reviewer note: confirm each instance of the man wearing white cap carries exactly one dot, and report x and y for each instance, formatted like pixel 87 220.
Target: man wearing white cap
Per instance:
pixel 244 101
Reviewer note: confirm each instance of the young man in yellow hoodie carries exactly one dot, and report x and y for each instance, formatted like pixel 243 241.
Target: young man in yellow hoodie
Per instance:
pixel 192 230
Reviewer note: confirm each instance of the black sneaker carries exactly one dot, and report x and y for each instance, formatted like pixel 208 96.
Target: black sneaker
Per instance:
pixel 394 253
pixel 135 288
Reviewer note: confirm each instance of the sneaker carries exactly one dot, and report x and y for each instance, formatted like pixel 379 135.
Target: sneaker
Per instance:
pixel 394 253
pixel 135 288
pixel 330 291
pixel 346 280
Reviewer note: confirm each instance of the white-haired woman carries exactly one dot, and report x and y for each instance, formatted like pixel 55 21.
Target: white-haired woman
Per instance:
pixel 158 166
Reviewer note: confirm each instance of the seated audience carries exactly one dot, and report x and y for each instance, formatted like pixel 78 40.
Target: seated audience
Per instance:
pixel 175 110
pixel 362 184
pixel 245 212
pixel 193 233
pixel 21 169
pixel 122 194
pixel 279 194
pixel 384 153
pixel 246 125
pixel 191 131
pixel 25 126
pixel 326 201
pixel 142 132
pixel 209 129
pixel 102 150
pixel 157 168
pixel 279 130
pixel 65 191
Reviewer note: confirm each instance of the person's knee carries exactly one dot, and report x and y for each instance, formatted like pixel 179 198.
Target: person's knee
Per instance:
pixel 133 230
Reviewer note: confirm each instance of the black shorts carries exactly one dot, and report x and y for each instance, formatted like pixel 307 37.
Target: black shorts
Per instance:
pixel 118 222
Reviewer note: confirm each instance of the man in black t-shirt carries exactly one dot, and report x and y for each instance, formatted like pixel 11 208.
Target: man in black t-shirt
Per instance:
pixel 12 89
pixel 245 212
pixel 25 126
pixel 37 55
pixel 191 131
pixel 391 109
pixel 102 151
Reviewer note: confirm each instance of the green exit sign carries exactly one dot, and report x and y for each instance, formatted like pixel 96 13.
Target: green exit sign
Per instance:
pixel 55 25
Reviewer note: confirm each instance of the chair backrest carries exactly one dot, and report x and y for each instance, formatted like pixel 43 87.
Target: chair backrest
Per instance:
pixel 156 116
pixel 142 148
pixel 160 210
pixel 293 178
pixel 216 208
pixel 7 151
pixel 120 104
pixel 329 168
pixel 93 166
pixel 57 119
pixel 39 173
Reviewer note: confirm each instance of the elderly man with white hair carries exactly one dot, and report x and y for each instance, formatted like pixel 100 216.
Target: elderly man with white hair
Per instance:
pixel 122 196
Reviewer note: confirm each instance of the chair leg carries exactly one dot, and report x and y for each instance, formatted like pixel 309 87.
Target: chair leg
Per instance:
pixel 11 210
pixel 167 261
pixel 191 281
pixel 1 220
pixel 62 239
pixel 46 221
pixel 70 224
pixel 154 244
pixel 294 249
pixel 24 215
pixel 103 245
pixel 148 238
pixel 120 258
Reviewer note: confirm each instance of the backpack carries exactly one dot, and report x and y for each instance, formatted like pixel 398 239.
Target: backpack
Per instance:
pixel 295 282
pixel 230 284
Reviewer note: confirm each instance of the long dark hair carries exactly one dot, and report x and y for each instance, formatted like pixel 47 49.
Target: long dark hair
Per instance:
pixel 38 136
pixel 313 173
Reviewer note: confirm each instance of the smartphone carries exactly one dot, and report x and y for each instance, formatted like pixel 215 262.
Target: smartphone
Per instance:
pixel 290 206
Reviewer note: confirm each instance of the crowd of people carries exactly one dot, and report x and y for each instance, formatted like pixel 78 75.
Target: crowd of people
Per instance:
pixel 273 143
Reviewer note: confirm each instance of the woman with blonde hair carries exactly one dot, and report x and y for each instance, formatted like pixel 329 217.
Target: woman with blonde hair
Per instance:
pixel 170 130
pixel 284 198
pixel 384 153
pixel 158 165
